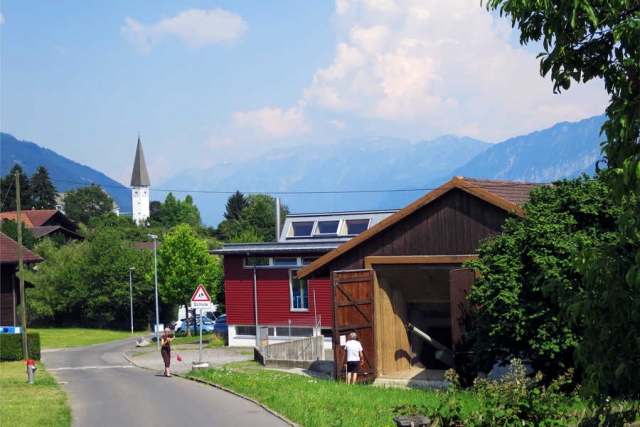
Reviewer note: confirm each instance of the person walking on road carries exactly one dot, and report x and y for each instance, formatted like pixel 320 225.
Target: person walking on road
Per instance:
pixel 354 356
pixel 165 350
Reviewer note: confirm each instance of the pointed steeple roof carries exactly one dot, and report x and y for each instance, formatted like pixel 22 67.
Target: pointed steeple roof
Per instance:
pixel 139 177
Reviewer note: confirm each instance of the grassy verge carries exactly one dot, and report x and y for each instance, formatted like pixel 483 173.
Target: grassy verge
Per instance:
pixel 314 403
pixel 78 337
pixel 43 403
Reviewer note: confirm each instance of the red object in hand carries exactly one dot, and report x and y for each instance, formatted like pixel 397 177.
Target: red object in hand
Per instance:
pixel 179 358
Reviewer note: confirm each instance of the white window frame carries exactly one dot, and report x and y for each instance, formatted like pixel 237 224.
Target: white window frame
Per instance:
pixel 302 298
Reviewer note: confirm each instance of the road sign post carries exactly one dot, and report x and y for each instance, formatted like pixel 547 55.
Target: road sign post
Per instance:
pixel 200 300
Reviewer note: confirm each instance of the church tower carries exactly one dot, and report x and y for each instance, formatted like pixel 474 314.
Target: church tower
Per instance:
pixel 140 187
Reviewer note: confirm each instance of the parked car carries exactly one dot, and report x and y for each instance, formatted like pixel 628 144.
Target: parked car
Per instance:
pixel 207 325
pixel 220 326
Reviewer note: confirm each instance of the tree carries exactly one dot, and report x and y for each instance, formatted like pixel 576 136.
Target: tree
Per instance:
pixel 183 264
pixel 235 205
pixel 8 189
pixel 583 40
pixel 256 221
pixel 528 267
pixel 10 228
pixel 174 212
pixel 85 203
pixel 43 193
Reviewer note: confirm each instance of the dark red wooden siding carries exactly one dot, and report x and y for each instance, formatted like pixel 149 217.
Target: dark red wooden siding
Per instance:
pixel 453 224
pixel 274 305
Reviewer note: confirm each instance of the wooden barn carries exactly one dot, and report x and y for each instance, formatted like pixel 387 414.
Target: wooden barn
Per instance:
pixel 46 222
pixel 9 283
pixel 407 270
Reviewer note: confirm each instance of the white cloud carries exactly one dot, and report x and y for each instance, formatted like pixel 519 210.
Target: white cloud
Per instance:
pixel 444 66
pixel 338 124
pixel 196 28
pixel 1 19
pixel 271 123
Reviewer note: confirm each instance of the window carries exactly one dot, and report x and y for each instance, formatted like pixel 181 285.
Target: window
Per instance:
pixel 328 227
pixel 283 262
pixel 356 226
pixel 245 330
pixel 256 262
pixel 299 292
pixel 301 229
pixel 307 261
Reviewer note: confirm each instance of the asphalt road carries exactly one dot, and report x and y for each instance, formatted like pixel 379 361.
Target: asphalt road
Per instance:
pixel 106 390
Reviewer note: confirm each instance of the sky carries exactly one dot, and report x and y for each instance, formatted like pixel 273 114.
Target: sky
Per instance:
pixel 204 82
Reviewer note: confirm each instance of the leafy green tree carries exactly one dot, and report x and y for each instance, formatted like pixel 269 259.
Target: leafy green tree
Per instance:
pixel 10 228
pixel 528 266
pixel 155 211
pixel 183 264
pixel 85 203
pixel 189 213
pixel 43 192
pixel 174 212
pixel 8 189
pixel 583 40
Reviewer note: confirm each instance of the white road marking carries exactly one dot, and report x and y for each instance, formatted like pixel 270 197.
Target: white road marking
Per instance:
pixel 69 368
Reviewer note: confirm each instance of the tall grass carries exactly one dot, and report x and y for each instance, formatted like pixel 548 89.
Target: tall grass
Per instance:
pixel 43 403
pixel 313 403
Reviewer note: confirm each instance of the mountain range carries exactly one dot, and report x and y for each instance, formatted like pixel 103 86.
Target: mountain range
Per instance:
pixel 356 174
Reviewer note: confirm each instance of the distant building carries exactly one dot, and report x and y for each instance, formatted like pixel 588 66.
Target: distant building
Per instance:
pixel 140 187
pixel 46 223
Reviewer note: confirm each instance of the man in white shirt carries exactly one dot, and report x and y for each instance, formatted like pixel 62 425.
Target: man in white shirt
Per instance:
pixel 354 357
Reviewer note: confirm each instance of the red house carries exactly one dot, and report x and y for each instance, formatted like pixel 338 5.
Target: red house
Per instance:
pixel 262 291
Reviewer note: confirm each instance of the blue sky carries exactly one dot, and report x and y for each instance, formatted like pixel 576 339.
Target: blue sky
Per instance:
pixel 212 81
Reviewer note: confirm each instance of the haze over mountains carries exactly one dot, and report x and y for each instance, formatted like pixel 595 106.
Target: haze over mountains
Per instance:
pixel 351 175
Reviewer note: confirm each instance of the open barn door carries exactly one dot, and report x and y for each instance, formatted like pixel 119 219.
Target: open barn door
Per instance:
pixel 460 281
pixel 353 312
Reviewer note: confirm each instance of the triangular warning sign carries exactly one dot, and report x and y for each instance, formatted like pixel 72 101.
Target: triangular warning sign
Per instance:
pixel 200 295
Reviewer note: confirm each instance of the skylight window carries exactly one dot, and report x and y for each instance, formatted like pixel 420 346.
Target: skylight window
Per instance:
pixel 328 227
pixel 301 229
pixel 356 226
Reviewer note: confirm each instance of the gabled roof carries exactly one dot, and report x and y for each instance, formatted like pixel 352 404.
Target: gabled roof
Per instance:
pixel 9 252
pixel 507 195
pixel 139 176
pixel 36 218
pixel 50 229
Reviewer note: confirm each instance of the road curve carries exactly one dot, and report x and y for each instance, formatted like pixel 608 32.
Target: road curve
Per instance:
pixel 106 390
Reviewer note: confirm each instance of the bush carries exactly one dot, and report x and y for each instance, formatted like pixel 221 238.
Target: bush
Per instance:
pixel 11 346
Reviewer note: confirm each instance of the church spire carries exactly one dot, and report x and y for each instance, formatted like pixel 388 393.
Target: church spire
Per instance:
pixel 140 176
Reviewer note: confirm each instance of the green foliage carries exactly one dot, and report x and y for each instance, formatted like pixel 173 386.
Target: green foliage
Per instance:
pixel 85 203
pixel 43 192
pixel 10 228
pixel 11 346
pixel 583 40
pixel 529 267
pixel 250 219
pixel 183 264
pixel 8 190
pixel 87 283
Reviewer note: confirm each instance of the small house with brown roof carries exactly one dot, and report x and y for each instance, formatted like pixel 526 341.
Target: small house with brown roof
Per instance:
pixel 407 270
pixel 9 283
pixel 47 222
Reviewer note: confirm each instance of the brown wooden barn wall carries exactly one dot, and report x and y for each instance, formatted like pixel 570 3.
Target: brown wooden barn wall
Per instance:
pixel 453 224
pixel 7 302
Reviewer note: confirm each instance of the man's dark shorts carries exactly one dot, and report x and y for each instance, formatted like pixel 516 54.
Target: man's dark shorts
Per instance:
pixel 353 366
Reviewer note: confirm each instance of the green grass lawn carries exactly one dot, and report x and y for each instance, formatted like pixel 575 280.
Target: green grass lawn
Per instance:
pixel 43 403
pixel 78 337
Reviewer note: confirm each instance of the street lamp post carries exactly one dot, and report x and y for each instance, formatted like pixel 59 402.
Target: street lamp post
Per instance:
pixel 155 272
pixel 131 297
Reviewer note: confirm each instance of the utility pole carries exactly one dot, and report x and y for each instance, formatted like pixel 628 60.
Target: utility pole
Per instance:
pixel 23 301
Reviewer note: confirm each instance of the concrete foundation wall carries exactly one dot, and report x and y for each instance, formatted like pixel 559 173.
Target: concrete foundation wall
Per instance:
pixel 307 349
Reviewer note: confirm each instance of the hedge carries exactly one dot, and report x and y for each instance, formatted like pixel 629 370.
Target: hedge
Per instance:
pixel 11 346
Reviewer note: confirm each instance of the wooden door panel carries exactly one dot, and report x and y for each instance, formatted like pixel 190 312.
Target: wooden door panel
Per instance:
pixel 353 312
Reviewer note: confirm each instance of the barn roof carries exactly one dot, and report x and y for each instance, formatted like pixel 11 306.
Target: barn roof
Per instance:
pixel 507 195
pixel 9 252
